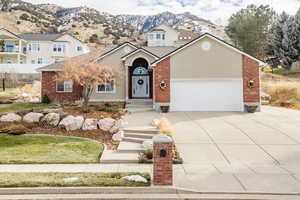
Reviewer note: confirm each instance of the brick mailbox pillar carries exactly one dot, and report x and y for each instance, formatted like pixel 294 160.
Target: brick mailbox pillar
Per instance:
pixel 162 160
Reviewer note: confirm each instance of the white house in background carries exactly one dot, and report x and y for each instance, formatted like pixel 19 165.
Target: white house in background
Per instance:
pixel 26 52
pixel 162 36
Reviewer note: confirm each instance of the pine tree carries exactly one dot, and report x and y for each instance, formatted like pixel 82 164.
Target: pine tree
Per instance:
pixel 275 37
pixel 289 52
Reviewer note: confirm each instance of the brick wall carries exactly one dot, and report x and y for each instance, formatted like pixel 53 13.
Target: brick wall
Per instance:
pixel 251 72
pixel 49 89
pixel 162 72
pixel 162 166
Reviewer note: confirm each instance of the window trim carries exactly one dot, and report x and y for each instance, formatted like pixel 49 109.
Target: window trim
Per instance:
pixel 106 92
pixel 64 86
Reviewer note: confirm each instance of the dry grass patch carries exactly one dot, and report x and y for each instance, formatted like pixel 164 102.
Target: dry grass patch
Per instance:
pixel 285 91
pixel 57 179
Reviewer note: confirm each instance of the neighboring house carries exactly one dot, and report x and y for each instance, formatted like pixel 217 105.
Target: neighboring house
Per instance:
pixel 205 74
pixel 40 49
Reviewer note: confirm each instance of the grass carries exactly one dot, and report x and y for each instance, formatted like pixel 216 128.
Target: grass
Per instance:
pixel 284 91
pixel 57 179
pixel 9 92
pixel 20 106
pixel 48 150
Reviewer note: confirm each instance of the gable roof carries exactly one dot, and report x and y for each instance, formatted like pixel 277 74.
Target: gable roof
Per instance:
pixel 11 33
pixel 112 50
pixel 138 50
pixel 40 37
pixel 214 38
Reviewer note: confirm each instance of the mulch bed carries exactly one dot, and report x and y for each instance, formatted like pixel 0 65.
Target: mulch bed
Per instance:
pixel 99 111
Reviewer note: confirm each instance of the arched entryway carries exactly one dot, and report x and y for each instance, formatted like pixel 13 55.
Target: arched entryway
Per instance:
pixel 140 80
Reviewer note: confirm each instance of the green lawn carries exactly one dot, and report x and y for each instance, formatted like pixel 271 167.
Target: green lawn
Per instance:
pixel 20 106
pixel 48 150
pixel 57 179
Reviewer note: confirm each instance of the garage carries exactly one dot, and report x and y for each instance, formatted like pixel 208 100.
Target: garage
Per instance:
pixel 207 95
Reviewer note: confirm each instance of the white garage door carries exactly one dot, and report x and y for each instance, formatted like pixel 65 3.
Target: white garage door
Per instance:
pixel 207 95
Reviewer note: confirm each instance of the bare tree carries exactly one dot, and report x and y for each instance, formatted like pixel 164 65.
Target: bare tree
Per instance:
pixel 87 72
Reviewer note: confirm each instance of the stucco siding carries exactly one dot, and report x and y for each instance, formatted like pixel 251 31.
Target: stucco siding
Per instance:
pixel 195 63
pixel 114 60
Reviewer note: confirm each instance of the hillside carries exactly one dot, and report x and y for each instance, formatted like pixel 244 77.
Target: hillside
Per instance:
pixel 92 26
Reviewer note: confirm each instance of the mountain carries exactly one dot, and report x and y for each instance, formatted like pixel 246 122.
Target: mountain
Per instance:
pixel 93 26
pixel 145 23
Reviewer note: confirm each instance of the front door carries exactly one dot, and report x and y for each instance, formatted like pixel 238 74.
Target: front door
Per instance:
pixel 140 87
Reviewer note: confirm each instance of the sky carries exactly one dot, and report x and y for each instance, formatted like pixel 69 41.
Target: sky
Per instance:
pixel 217 11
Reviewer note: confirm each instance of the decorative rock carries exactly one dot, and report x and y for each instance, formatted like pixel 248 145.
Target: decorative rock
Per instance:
pixel 148 145
pixel 50 120
pixel 71 123
pixel 118 126
pixel 265 98
pixel 90 124
pixel 118 136
pixel 33 117
pixel 155 122
pixel 106 124
pixel 135 178
pixel 10 117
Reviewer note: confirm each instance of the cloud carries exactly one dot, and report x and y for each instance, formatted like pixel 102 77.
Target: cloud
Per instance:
pixel 215 10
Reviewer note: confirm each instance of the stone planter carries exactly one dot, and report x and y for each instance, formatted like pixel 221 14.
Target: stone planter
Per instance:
pixel 251 108
pixel 164 108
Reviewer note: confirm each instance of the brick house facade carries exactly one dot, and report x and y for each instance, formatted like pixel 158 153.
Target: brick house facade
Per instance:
pixel 49 89
pixel 206 74
pixel 251 73
pixel 162 73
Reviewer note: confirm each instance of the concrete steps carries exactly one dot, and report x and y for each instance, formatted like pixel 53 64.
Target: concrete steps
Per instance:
pixel 145 130
pixel 139 105
pixel 130 147
pixel 109 157
pixel 139 135
pixel 135 140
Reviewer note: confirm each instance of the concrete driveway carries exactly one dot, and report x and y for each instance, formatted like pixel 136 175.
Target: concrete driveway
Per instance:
pixel 235 152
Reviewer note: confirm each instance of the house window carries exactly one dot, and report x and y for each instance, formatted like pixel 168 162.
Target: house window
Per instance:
pixel 59 47
pixel 151 37
pixel 34 47
pixel 40 60
pixel 65 86
pixel 79 48
pixel 158 36
pixel 108 88
pixel 163 36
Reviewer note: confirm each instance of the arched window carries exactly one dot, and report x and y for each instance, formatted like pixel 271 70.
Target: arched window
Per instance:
pixel 140 71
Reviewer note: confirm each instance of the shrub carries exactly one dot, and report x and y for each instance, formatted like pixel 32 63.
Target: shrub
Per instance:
pixel 46 99
pixel 93 38
pixel 24 16
pixel 283 93
pixel 164 126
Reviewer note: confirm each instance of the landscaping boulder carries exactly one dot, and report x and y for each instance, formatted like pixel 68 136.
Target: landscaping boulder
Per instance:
pixel 148 145
pixel 106 124
pixel 59 111
pixel 265 98
pixel 10 117
pixel 32 117
pixel 118 126
pixel 50 120
pixel 118 136
pixel 90 124
pixel 71 123
pixel 135 178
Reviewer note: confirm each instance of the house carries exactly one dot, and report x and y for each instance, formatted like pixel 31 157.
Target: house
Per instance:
pixel 32 48
pixel 205 74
